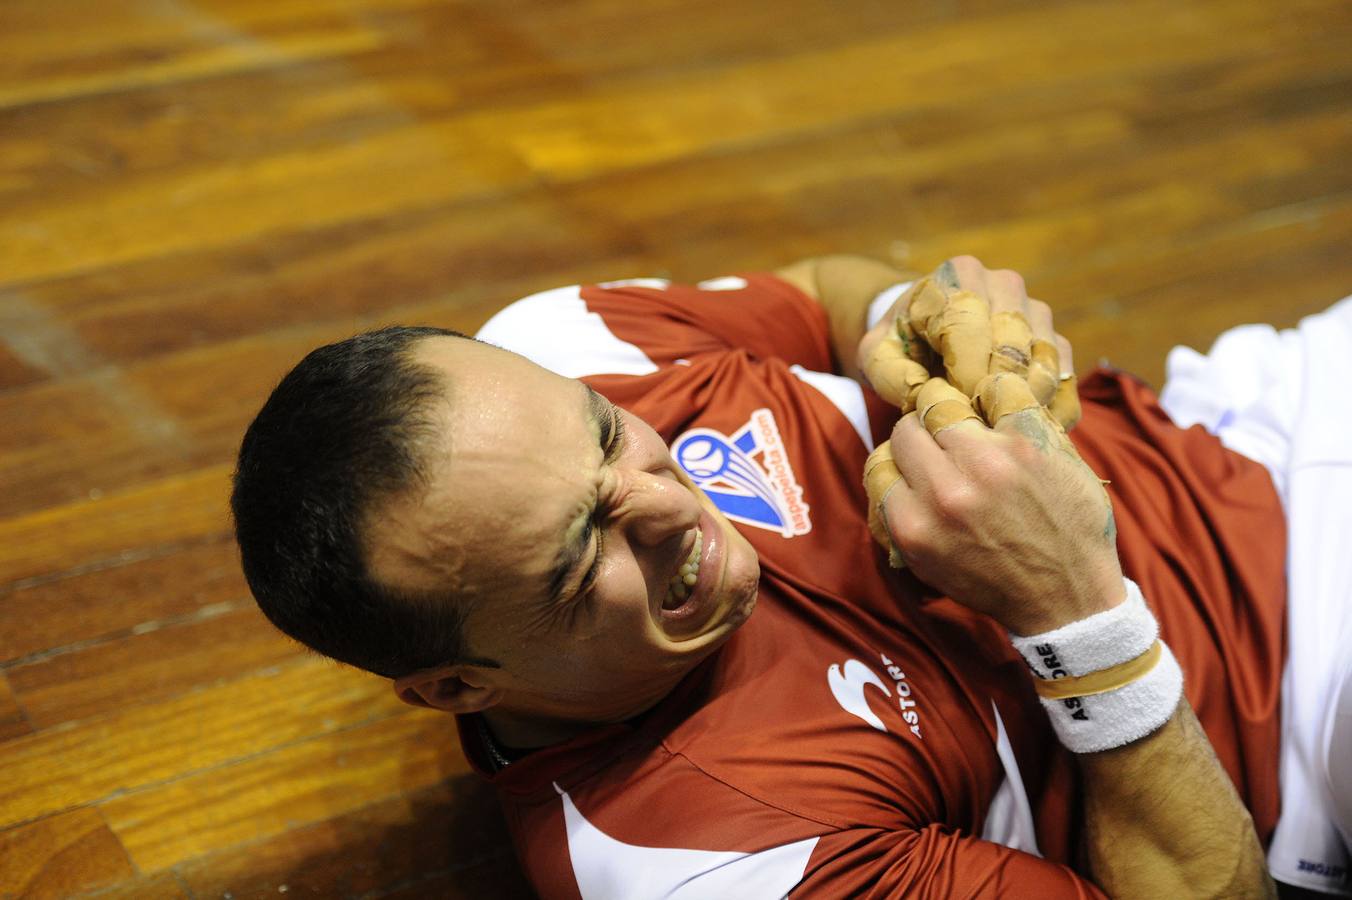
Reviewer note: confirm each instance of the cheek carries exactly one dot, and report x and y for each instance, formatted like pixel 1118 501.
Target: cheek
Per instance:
pixel 620 608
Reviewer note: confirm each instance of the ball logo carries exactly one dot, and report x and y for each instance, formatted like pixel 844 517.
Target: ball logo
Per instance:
pixel 747 474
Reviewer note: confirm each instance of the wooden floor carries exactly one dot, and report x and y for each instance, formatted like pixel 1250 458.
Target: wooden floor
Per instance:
pixel 195 192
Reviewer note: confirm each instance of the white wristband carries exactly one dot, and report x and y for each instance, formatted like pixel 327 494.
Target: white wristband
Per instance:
pixel 1120 638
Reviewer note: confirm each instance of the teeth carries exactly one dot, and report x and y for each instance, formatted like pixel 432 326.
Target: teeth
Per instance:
pixel 683 582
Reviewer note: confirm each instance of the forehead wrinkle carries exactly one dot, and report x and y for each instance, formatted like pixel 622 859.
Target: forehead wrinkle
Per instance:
pixel 574 543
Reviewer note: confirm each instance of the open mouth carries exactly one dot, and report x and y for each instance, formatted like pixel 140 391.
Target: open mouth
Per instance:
pixel 681 587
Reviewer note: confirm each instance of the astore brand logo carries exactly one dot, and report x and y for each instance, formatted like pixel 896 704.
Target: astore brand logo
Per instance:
pixel 847 686
pixel 848 689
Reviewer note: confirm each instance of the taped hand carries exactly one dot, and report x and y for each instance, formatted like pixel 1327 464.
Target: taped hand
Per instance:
pixel 1005 519
pixel 965 322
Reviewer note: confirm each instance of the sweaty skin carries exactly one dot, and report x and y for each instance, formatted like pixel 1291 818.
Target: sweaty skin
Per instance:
pixel 1008 520
pixel 969 488
pixel 992 366
pixel 526 467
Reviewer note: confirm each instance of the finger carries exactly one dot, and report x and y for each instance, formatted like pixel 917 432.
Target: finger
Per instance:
pixel 1006 291
pixel 1066 354
pixel 1007 403
pixel 892 324
pixel 1011 343
pixel 927 301
pixel 1040 320
pixel 915 345
pixel 894 374
pixel 961 334
pixel 882 479
pixel 920 460
pixel 1044 370
pixel 1065 405
pixel 942 407
pixel 1003 395
pixel 963 273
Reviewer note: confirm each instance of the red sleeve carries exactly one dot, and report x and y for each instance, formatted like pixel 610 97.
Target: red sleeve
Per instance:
pixel 757 313
pixel 934 862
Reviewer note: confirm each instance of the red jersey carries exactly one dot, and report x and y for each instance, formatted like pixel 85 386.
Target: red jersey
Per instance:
pixel 859 735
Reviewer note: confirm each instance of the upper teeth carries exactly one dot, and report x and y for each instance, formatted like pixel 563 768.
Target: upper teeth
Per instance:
pixel 683 582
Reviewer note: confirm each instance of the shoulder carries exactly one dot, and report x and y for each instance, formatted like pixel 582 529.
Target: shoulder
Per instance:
pixel 636 326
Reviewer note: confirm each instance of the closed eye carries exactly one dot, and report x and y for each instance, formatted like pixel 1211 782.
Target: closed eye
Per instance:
pixel 617 435
pixel 614 434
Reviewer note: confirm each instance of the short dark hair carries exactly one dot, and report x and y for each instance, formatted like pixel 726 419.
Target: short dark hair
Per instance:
pixel 341 432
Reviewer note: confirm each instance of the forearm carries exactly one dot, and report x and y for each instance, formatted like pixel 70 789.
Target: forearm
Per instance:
pixel 1162 819
pixel 998 511
pixel 844 286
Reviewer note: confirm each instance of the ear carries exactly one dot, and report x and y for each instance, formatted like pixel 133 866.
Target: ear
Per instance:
pixel 456 689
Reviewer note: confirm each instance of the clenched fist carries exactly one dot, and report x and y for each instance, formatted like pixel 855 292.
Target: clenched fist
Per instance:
pixel 979 490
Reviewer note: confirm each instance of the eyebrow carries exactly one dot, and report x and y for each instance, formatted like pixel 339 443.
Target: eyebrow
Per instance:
pixel 570 555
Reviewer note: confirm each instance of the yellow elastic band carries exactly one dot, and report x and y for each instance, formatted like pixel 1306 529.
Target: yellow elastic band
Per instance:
pixel 1102 681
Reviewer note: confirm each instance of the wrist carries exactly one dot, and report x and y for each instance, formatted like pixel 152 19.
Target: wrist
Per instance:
pixel 1107 680
pixel 1093 595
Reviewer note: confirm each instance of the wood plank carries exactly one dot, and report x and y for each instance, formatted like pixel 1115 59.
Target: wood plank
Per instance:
pixel 1240 276
pixel 1007 150
pixel 121 443
pixel 945 196
pixel 126 330
pixel 170 511
pixel 582 135
pixel 131 593
pixel 163 886
pixel 117 49
pixel 61 855
pixel 471 253
pixel 150 665
pixel 13 723
pixel 945 66
pixel 130 748
pixel 58 425
pixel 15 371
pixel 452 826
pixel 289 103
pixel 375 273
pixel 302 783
pixel 205 206
pixel 431 62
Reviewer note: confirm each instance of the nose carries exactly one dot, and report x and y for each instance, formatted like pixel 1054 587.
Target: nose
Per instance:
pixel 656 508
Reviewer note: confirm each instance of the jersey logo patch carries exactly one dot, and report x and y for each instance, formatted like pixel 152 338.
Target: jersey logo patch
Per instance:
pixel 747 474
pixel 848 689
pixel 847 686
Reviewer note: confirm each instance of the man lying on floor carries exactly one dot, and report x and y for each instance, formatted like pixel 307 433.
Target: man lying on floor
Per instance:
pixel 635 561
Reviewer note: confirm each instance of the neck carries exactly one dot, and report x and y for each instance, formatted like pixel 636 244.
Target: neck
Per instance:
pixel 529 732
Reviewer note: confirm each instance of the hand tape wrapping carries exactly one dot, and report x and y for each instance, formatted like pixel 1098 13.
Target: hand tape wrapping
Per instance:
pixel 1107 680
pixel 880 304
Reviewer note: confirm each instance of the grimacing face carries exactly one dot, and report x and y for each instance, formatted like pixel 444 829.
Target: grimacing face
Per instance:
pixel 566 523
